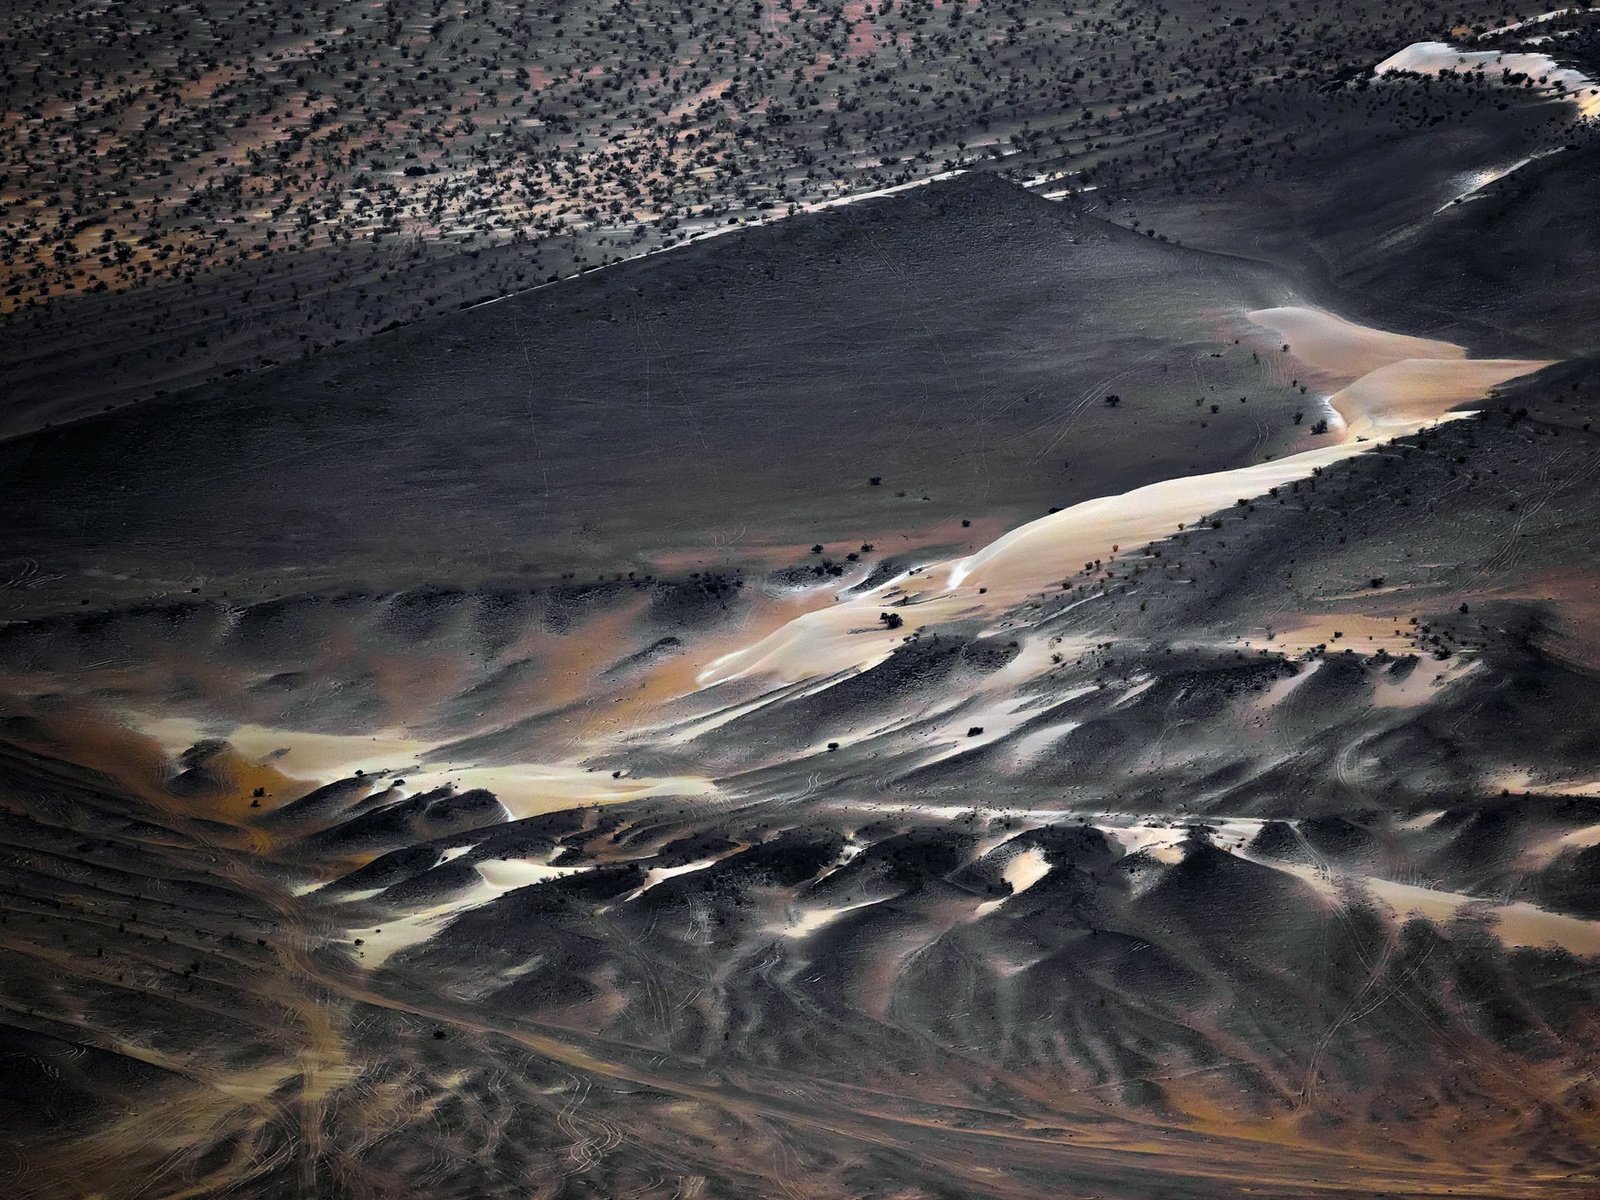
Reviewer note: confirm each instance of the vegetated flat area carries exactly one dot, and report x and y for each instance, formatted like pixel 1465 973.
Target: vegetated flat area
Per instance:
pixel 975 349
pixel 383 812
pixel 264 180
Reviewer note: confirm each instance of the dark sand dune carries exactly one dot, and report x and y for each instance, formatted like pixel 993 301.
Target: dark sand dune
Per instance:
pixel 701 398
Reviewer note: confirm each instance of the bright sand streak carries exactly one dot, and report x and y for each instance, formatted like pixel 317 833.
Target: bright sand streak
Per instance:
pixel 1393 385
pixel 1434 58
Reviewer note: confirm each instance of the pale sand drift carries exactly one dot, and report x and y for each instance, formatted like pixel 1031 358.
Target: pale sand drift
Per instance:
pixel 1403 397
pixel 525 789
pixel 1022 871
pixel 1393 385
pixel 1538 20
pixel 496 877
pixel 1435 58
pixel 1516 923
pixel 1343 349
pixel 1513 923
pixel 1471 185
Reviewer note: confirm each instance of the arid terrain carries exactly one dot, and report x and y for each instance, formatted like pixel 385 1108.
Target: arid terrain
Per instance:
pixel 913 601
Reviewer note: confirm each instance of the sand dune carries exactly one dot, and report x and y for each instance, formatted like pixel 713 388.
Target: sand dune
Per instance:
pixel 1330 343
pixel 1402 397
pixel 1397 385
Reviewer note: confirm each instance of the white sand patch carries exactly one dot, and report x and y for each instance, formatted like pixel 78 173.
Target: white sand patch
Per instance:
pixel 1021 871
pixel 1317 879
pixel 1411 900
pixel 1515 924
pixel 1420 821
pixel 1037 556
pixel 382 942
pixel 1026 869
pixel 1331 344
pixel 1063 193
pixel 1234 833
pixel 1282 689
pixel 1579 839
pixel 495 878
pixel 848 853
pixel 1550 78
pixel 1472 183
pixel 508 874
pixel 527 789
pixel 857 197
pixel 1048 177
pixel 1163 843
pixel 1523 924
pixel 1538 20
pixel 657 875
pixel 1421 684
pixel 1138 688
pixel 1297 632
pixel 803 922
pixel 850 635
pixel 1402 397
pixel 1521 781
pixel 1031 746
pixel 1542 854
pixel 314 755
pixel 995 720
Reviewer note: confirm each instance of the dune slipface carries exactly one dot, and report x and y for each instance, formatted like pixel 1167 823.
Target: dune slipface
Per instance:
pixel 884 601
